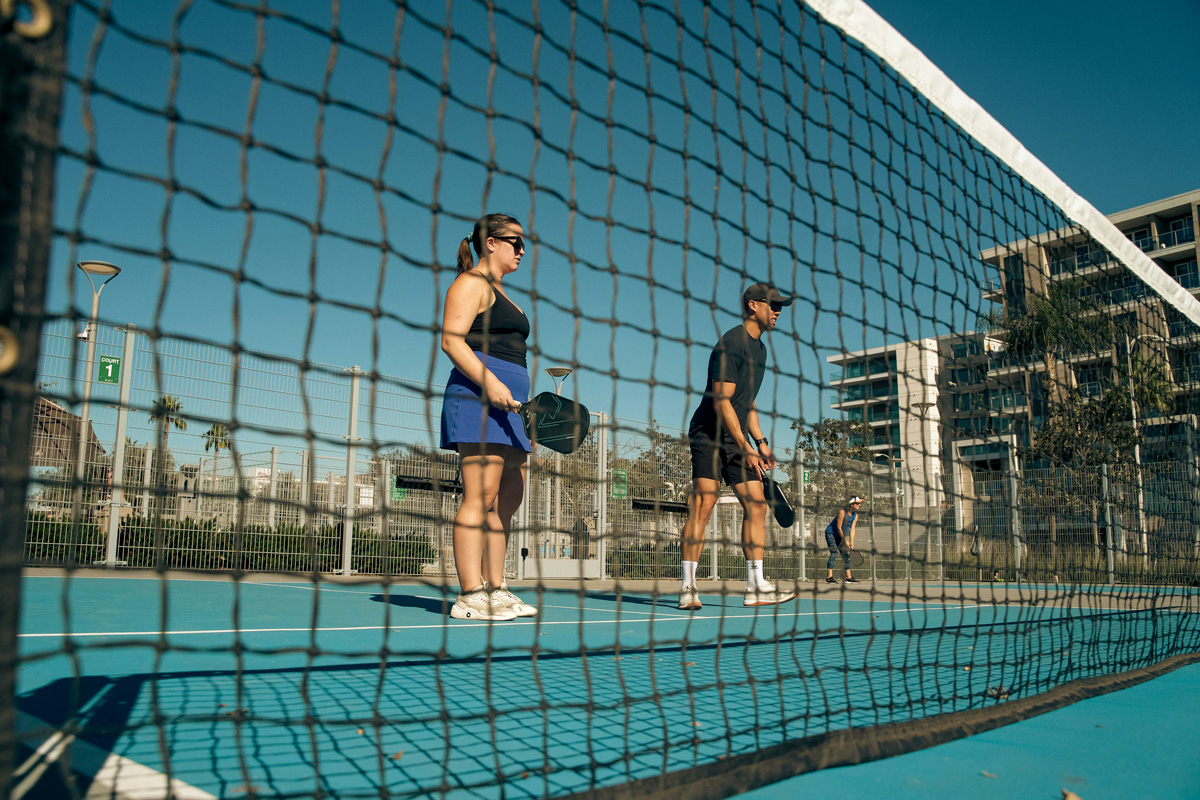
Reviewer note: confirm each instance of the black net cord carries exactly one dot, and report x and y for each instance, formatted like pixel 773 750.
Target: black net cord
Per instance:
pixel 31 89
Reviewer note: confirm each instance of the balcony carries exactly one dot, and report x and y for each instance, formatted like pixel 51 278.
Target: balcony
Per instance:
pixel 1182 329
pixel 1176 237
pixel 1186 378
pixel 1084 262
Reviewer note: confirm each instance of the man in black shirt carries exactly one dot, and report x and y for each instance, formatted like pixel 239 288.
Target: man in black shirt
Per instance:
pixel 721 432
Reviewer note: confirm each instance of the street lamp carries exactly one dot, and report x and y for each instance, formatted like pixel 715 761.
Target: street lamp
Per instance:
pixel 107 271
pixel 558 374
pixel 1137 447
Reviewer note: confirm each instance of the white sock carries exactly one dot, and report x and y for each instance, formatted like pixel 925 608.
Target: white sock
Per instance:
pixel 754 575
pixel 689 572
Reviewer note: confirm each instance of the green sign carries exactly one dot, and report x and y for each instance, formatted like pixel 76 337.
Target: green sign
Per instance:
pixel 399 493
pixel 110 370
pixel 808 476
pixel 620 484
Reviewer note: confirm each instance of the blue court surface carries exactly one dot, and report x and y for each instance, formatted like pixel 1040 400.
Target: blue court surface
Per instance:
pixel 284 687
pixel 1141 742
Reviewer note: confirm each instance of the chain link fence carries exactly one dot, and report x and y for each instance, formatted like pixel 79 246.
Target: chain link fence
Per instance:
pixel 251 462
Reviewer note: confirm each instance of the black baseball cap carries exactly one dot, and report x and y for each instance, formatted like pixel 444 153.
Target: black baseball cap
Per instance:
pixel 767 293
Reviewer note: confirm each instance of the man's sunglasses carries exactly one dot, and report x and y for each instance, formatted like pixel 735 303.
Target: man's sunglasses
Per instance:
pixel 518 244
pixel 776 307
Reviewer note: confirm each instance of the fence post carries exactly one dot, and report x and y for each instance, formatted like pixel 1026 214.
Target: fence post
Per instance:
pixel 1014 515
pixel 713 529
pixel 349 510
pixel 1108 523
pixel 602 492
pixel 32 70
pixel 384 505
pixel 870 519
pixel 274 487
pixel 802 517
pixel 522 526
pixel 118 469
pixel 146 461
pixel 305 470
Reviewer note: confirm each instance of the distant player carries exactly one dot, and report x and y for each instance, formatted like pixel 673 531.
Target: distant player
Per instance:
pixel 839 535
pixel 721 433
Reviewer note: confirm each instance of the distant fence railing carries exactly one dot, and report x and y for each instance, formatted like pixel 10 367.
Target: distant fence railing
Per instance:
pixel 282 472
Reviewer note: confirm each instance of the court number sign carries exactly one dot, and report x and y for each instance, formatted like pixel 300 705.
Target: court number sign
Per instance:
pixel 110 370
pixel 808 476
pixel 620 484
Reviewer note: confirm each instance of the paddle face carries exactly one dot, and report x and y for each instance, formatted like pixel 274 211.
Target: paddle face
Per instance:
pixel 780 507
pixel 554 421
pixel 856 558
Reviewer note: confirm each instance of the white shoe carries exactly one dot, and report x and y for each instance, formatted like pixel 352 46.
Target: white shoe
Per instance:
pixel 766 595
pixel 480 604
pixel 689 598
pixel 512 602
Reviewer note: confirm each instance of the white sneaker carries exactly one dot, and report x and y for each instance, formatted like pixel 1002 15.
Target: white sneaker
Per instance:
pixel 766 595
pixel 512 602
pixel 480 604
pixel 689 598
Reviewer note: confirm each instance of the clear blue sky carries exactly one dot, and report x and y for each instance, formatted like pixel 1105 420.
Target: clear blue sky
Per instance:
pixel 1103 95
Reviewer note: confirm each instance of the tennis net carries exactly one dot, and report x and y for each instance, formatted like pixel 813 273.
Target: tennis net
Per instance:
pixel 1005 377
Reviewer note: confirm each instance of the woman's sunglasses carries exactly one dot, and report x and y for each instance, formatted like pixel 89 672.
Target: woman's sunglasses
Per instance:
pixel 518 244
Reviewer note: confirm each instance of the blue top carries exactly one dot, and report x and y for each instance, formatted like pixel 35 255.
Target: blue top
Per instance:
pixel 833 526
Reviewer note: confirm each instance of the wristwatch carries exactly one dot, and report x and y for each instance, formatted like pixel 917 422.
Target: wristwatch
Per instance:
pixel 761 441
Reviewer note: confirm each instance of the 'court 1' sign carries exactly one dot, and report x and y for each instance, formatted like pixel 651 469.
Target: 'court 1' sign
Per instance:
pixel 110 370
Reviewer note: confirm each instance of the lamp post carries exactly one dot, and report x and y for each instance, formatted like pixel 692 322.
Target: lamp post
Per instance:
pixel 558 374
pixel 1137 447
pixel 97 269
pixel 894 513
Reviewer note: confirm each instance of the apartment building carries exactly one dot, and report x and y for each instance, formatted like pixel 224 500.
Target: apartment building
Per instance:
pixel 894 390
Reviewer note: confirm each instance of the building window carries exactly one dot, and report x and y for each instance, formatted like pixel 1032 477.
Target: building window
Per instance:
pixel 1140 237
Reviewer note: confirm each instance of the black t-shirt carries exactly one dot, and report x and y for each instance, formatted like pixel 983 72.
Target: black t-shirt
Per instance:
pixel 739 359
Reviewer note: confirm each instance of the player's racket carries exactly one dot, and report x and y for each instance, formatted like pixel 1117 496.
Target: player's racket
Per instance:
pixel 784 514
pixel 856 558
pixel 554 421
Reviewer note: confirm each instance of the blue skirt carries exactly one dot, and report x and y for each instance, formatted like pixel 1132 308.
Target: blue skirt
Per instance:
pixel 467 420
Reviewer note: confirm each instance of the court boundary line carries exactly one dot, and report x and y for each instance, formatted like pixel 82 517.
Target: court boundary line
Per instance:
pixel 113 776
pixel 519 623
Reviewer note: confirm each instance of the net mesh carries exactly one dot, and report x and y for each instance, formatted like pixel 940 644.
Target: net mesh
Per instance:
pixel 257 400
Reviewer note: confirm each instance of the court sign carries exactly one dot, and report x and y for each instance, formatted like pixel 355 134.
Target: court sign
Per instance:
pixel 620 484
pixel 109 370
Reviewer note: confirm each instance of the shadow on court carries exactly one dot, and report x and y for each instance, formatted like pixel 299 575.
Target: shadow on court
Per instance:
pixel 434 605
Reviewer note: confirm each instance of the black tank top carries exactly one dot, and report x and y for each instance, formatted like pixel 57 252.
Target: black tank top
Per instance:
pixel 500 331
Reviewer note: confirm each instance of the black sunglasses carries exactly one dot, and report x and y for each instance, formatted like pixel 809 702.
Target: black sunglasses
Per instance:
pixel 518 244
pixel 776 307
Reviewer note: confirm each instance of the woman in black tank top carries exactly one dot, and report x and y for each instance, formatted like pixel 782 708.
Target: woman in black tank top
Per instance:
pixel 483 334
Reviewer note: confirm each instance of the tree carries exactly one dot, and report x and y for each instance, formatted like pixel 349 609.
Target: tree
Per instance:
pixel 835 454
pixel 167 413
pixel 216 439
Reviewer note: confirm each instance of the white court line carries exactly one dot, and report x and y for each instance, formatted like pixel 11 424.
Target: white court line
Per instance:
pixel 113 776
pixel 456 624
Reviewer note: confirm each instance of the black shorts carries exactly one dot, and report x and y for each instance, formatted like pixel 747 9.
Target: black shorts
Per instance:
pixel 727 460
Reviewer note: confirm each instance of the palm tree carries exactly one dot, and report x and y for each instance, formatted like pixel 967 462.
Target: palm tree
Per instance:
pixel 167 413
pixel 216 439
